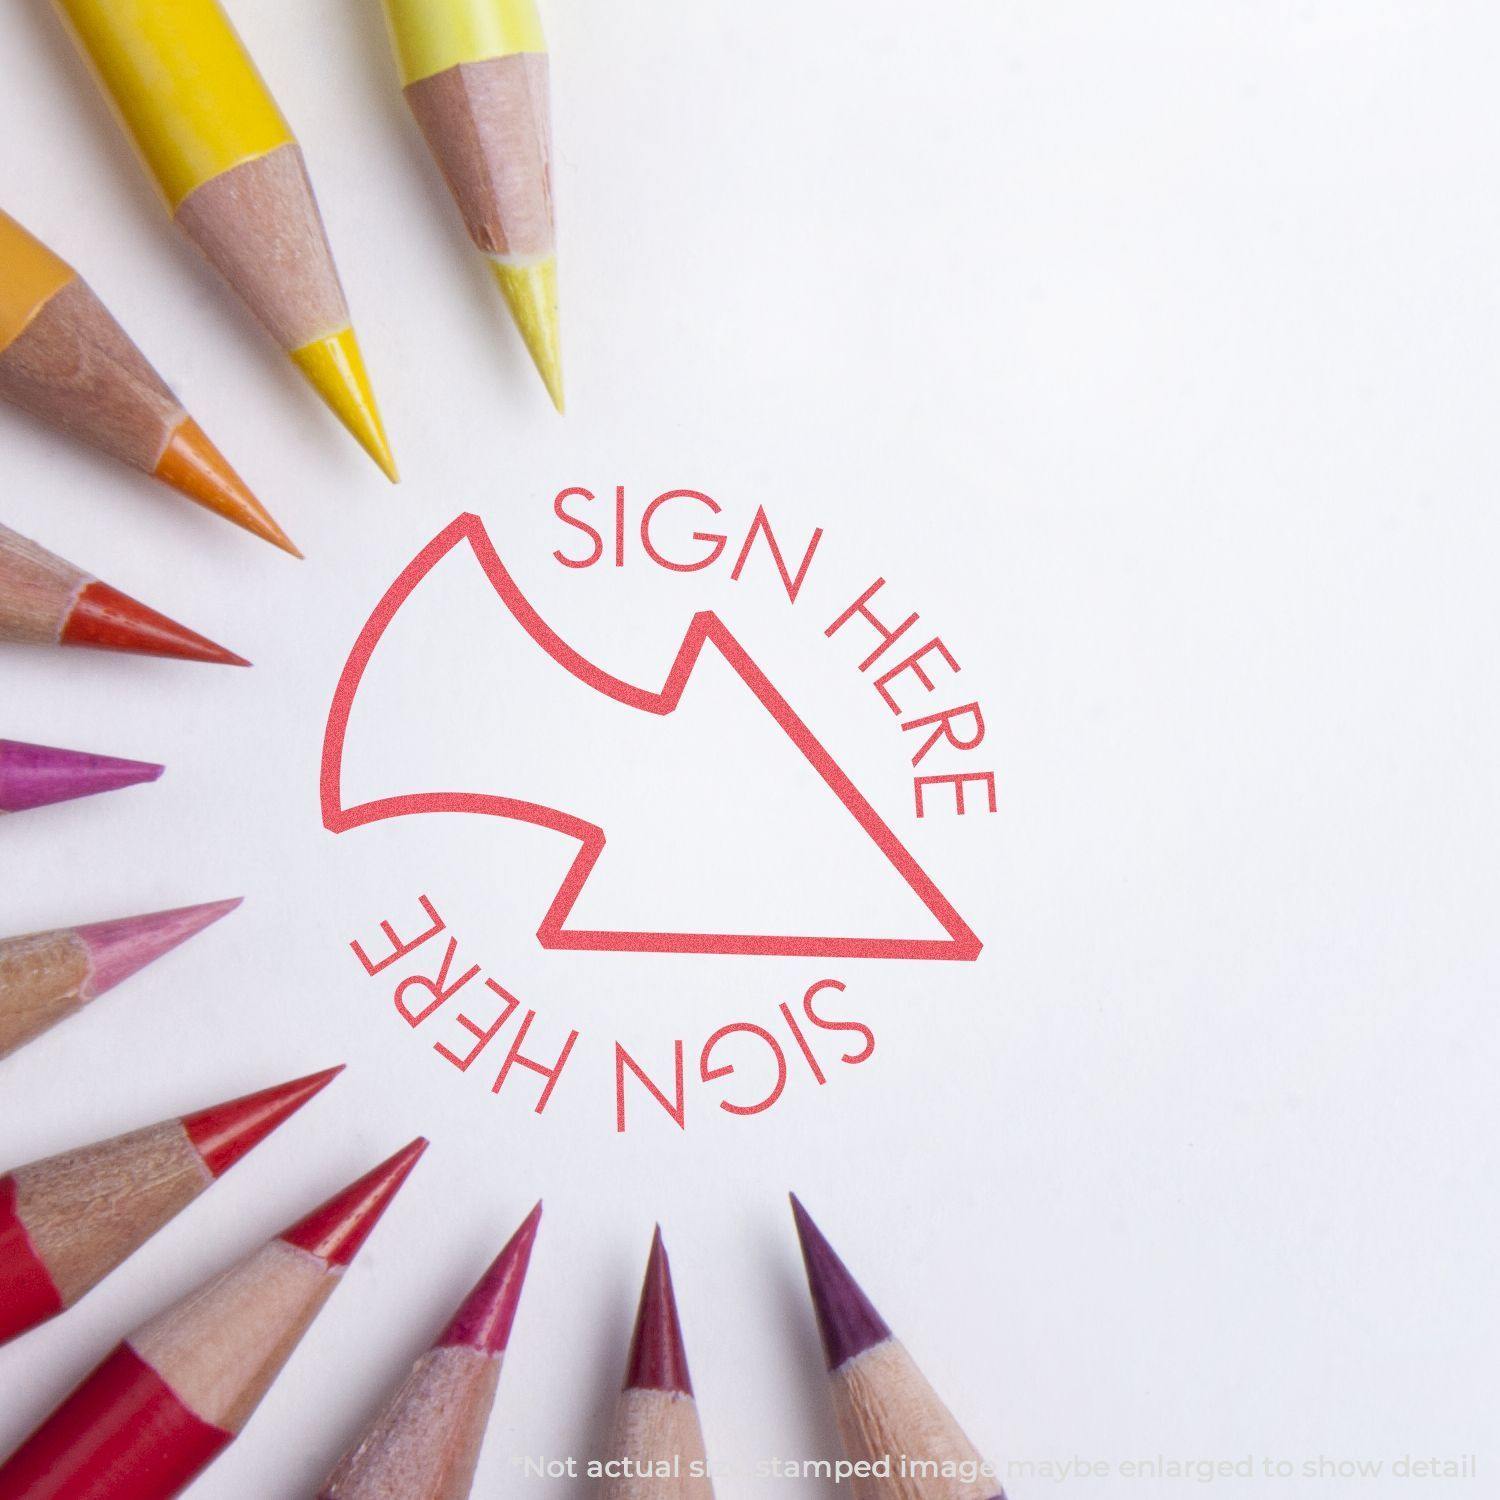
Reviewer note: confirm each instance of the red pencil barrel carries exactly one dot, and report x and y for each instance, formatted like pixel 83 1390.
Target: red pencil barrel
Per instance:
pixel 122 1435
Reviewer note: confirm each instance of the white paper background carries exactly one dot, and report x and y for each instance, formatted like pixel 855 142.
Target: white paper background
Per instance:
pixel 1150 353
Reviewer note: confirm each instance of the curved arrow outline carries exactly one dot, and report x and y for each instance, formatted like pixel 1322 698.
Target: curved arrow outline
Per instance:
pixel 961 943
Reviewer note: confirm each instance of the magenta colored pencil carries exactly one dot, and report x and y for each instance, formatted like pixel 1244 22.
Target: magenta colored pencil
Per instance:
pixel 425 1444
pixel 46 976
pixel 888 1415
pixel 37 775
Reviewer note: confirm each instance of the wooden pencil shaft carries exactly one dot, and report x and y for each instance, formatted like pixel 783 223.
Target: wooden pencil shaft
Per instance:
pixel 43 978
pixel 654 1447
pixel 37 590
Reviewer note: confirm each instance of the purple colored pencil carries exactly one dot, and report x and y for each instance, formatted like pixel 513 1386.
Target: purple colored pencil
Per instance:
pixel 38 775
pixel 889 1417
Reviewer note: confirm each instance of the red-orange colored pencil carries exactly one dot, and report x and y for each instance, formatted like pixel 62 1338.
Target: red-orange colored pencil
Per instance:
pixel 68 1221
pixel 425 1444
pixel 656 1451
pixel 45 601
pixel 47 976
pixel 888 1415
pixel 180 1389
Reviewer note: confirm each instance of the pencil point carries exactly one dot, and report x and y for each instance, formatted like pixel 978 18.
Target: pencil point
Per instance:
pixel 126 945
pixel 658 1357
pixel 104 618
pixel 336 370
pixel 39 775
pixel 223 1133
pixel 531 294
pixel 336 1229
pixel 485 1319
pixel 195 468
pixel 847 1320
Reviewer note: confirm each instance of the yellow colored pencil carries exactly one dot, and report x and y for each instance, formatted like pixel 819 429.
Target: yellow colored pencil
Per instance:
pixel 232 174
pixel 475 75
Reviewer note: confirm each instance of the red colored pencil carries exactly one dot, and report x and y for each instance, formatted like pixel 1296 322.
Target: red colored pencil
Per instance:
pixel 425 1444
pixel 45 601
pixel 39 775
pixel 179 1390
pixel 45 976
pixel 656 1451
pixel 888 1415
pixel 68 1221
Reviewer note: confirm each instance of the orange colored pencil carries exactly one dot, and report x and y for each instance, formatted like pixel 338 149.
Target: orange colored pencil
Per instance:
pixel 656 1451
pixel 890 1418
pixel 180 1389
pixel 425 1444
pixel 66 361
pixel 47 976
pixel 68 1221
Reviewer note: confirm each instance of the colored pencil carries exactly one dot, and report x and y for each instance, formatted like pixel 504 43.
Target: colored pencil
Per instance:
pixel 180 1389
pixel 45 601
pixel 68 1221
pixel 425 1444
pixel 66 361
pixel 475 75
pixel 47 976
pixel 38 775
pixel 656 1431
pixel 886 1410
pixel 232 174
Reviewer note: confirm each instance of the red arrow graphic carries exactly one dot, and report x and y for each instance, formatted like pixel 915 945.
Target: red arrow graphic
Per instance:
pixel 705 628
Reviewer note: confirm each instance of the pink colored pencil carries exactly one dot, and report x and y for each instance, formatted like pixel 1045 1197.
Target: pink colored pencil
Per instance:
pixel 890 1418
pixel 180 1389
pixel 656 1451
pixel 68 1221
pixel 425 1444
pixel 47 976
pixel 38 775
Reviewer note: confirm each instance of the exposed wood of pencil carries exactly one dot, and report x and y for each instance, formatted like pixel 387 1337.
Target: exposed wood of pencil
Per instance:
pixel 47 976
pixel 259 226
pixel 487 124
pixel 171 1397
pixel 887 1412
pixel 656 1449
pixel 45 601
pixel 425 1445
pixel 67 1221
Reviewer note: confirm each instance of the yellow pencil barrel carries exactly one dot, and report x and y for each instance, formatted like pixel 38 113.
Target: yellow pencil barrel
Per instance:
pixel 183 84
pixel 30 277
pixel 432 36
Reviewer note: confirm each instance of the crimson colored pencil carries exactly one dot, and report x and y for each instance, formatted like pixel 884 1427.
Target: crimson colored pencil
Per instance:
pixel 68 1221
pixel 38 775
pixel 425 1444
pixel 888 1415
pixel 45 601
pixel 656 1451
pixel 47 976
pixel 180 1389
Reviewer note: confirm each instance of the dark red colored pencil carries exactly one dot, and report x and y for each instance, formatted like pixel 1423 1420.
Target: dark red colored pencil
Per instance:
pixel 656 1451
pixel 68 1221
pixel 425 1444
pixel 889 1416
pixel 180 1389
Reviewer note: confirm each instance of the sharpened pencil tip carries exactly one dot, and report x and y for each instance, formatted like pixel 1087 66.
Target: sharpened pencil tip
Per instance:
pixel 40 775
pixel 119 948
pixel 224 1133
pixel 335 368
pixel 335 1230
pixel 195 468
pixel 107 620
pixel 847 1319
pixel 530 292
pixel 488 1313
pixel 658 1355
